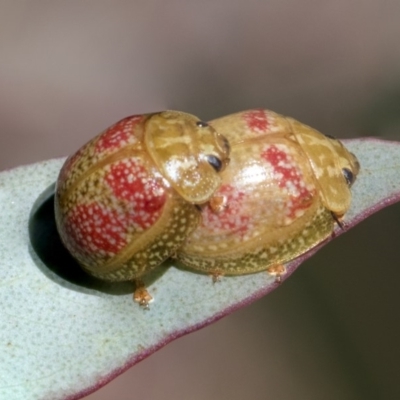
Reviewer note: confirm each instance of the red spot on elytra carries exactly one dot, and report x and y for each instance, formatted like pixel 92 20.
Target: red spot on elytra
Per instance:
pixel 117 135
pixel 256 120
pixel 94 228
pixel 130 181
pixel 290 177
pixel 232 218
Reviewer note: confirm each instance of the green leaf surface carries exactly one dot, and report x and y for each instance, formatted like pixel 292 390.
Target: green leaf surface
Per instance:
pixel 63 340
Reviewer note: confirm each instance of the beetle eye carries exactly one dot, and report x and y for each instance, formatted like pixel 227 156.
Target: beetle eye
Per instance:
pixel 348 175
pixel 215 162
pixel 201 124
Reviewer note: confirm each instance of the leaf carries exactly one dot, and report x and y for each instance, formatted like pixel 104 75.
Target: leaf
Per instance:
pixel 63 336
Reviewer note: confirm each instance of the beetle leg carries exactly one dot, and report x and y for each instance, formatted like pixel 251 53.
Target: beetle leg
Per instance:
pixel 277 271
pixel 218 203
pixel 216 276
pixel 141 295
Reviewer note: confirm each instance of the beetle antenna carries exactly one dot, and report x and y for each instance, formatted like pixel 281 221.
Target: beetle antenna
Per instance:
pixel 337 220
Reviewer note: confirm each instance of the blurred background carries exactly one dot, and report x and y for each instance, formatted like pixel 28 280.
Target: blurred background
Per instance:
pixel 69 69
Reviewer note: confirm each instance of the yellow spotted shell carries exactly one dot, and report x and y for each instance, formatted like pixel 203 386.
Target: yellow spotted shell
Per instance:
pixel 285 187
pixel 127 200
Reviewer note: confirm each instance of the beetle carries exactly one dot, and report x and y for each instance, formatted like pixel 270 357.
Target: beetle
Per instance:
pixel 127 200
pixel 244 193
pixel 285 188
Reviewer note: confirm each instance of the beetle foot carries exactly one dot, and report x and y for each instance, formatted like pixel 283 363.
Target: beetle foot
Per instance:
pixel 142 296
pixel 277 271
pixel 216 277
